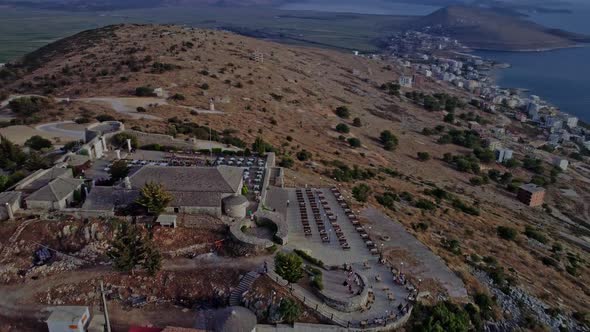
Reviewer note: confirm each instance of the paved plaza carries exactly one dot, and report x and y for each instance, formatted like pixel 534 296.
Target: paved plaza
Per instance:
pixel 388 295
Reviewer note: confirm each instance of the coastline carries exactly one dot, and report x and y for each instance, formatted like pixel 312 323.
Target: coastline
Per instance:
pixel 524 85
pixel 537 50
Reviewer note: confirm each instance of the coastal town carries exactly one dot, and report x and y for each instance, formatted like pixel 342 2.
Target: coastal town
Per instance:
pixel 167 178
pixel 446 61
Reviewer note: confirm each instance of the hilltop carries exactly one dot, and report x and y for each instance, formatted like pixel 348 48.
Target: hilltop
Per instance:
pixel 288 97
pixel 489 29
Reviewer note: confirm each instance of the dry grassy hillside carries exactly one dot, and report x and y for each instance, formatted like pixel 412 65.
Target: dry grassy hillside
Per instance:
pixel 289 100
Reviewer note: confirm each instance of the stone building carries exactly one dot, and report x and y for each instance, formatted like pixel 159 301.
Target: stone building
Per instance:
pixel 194 190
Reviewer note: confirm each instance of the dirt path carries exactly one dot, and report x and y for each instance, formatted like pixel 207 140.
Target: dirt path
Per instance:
pixel 17 300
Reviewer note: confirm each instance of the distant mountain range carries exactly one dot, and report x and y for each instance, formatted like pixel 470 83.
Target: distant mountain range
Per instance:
pixel 493 29
pixel 81 5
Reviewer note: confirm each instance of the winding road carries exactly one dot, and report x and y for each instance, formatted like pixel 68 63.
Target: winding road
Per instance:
pixel 54 130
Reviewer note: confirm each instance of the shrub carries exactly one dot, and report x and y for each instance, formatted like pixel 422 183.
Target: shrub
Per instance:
pixel 420 227
pixel 357 122
pixel 479 180
pixel 388 140
pixel 144 91
pixel 550 261
pixel 423 156
pixel 38 143
pixel 388 200
pixel 354 142
pixel 361 192
pixel 104 117
pixel 178 96
pixel 453 246
pixel 286 162
pixel 344 173
pixel 444 316
pixel 309 258
pixel 535 234
pixel 82 120
pixel 506 233
pixel 342 128
pixel 27 106
pixel 343 112
pixel 462 206
pixel 317 281
pixel 425 204
pixel 304 155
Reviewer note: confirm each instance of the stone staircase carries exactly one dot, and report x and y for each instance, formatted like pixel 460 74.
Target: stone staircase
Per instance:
pixel 246 282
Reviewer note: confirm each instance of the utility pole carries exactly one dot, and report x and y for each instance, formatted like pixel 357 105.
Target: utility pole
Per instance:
pixel 104 304
pixel 210 146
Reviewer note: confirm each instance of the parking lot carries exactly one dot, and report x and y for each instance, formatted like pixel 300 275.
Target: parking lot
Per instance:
pixel 254 170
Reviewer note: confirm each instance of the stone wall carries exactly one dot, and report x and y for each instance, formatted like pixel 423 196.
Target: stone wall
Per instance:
pixel 251 242
pixel 164 140
pixel 350 304
pixel 211 210
pixel 270 162
pixel 277 221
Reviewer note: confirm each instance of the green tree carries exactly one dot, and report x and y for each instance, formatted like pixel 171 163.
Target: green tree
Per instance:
pixel 120 140
pixel 11 155
pixel 361 192
pixel 36 161
pixel 154 198
pixel 289 266
pixel 130 249
pixel 126 249
pixel 289 310
pixel 152 259
pixel 119 170
pixel 343 112
pixel 261 147
pixel 38 143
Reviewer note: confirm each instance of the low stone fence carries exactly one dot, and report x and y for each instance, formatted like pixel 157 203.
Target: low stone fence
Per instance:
pixel 350 304
pixel 335 316
pixel 252 242
pixel 275 220
pixel 261 218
